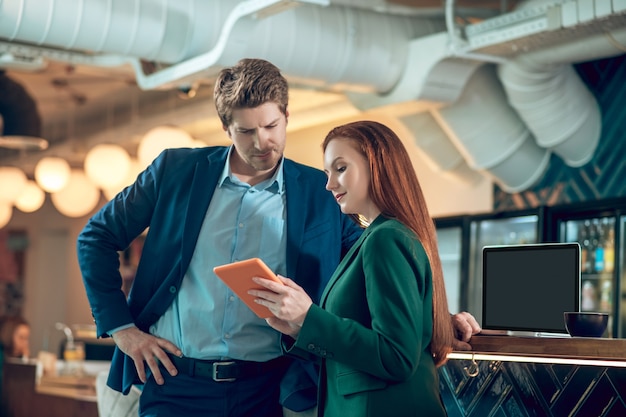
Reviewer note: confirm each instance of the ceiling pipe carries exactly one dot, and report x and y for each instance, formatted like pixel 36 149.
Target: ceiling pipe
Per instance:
pixel 557 107
pixel 553 101
pixel 539 91
pixel 155 30
pixel 438 150
pixel 490 134
pixel 350 48
pixel 547 93
pixel 392 58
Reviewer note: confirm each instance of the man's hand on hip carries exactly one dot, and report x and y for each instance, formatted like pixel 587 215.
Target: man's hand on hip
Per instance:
pixel 145 348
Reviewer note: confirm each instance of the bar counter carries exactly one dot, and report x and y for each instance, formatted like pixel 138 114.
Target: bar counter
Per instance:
pixel 589 348
pixel 536 376
pixel 26 393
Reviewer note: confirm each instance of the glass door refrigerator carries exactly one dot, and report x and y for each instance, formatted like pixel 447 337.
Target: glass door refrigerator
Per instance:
pixel 500 228
pixel 599 228
pixel 452 238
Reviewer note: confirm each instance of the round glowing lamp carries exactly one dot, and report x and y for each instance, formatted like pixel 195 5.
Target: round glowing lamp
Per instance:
pixel 160 138
pixel 52 173
pixel 6 211
pixel 131 176
pixel 107 165
pixel 78 198
pixel 31 199
pixel 12 180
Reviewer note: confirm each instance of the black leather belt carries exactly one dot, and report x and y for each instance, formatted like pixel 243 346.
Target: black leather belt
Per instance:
pixel 226 370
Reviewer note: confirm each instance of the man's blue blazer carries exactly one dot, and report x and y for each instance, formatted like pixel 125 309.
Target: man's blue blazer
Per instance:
pixel 170 198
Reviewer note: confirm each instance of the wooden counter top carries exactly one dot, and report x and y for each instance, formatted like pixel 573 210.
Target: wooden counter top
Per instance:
pixel 79 388
pixel 570 347
pixel 22 396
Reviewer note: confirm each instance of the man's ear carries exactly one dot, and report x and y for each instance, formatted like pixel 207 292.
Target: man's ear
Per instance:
pixel 286 116
pixel 226 130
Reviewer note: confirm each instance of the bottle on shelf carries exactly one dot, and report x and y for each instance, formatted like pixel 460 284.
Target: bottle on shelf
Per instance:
pixel 605 296
pixel 587 249
pixel 584 243
pixel 588 302
pixel 598 266
pixel 609 248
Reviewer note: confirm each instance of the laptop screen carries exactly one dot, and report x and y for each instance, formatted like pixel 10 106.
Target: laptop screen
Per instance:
pixel 529 287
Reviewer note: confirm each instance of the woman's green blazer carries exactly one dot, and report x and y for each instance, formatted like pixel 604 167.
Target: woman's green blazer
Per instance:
pixel 373 328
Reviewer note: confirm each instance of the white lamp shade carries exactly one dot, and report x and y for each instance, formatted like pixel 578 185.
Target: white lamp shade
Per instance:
pixel 160 138
pixel 31 199
pixel 78 198
pixel 12 180
pixel 52 173
pixel 135 169
pixel 107 165
pixel 6 211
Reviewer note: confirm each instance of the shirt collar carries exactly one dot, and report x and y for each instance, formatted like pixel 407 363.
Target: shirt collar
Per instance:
pixel 275 183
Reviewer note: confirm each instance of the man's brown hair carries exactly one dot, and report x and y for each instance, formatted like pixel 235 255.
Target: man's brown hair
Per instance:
pixel 248 84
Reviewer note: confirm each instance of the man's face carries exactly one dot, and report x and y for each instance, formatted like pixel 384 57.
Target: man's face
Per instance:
pixel 259 135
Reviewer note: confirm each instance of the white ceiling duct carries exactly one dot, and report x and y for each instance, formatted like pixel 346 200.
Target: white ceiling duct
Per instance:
pixel 155 30
pixel 557 107
pixel 438 149
pixel 546 91
pixel 490 134
pixel 346 47
pixel 555 104
pixel 392 58
pixel 549 105
pixel 333 47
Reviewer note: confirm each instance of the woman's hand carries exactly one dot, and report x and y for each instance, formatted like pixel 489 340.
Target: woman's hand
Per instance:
pixel 465 326
pixel 289 304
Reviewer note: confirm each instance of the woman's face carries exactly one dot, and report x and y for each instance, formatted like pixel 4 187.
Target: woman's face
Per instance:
pixel 348 175
pixel 21 341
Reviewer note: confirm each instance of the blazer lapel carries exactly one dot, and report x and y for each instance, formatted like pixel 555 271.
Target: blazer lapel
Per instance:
pixel 347 261
pixel 205 177
pixel 295 215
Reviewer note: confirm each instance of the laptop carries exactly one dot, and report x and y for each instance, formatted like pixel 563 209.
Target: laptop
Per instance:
pixel 527 288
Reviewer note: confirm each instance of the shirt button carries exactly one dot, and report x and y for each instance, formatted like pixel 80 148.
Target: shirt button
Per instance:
pixel 311 346
pixel 240 225
pixel 227 336
pixel 231 298
pixel 172 289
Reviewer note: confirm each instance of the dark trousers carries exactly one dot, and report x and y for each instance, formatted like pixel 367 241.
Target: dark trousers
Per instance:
pixel 193 396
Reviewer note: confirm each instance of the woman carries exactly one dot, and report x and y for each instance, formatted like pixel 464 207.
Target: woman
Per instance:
pixel 382 326
pixel 14 337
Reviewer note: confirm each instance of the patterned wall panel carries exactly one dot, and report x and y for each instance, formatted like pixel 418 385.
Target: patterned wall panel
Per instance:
pixel 605 175
pixel 510 389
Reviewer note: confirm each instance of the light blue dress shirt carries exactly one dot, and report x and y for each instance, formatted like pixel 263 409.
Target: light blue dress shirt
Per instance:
pixel 207 320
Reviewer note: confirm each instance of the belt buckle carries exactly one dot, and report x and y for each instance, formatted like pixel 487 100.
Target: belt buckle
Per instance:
pixel 216 376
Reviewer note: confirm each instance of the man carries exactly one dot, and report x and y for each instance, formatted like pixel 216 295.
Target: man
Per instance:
pixel 196 347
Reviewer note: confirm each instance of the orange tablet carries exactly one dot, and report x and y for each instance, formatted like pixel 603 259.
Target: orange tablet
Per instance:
pixel 238 277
